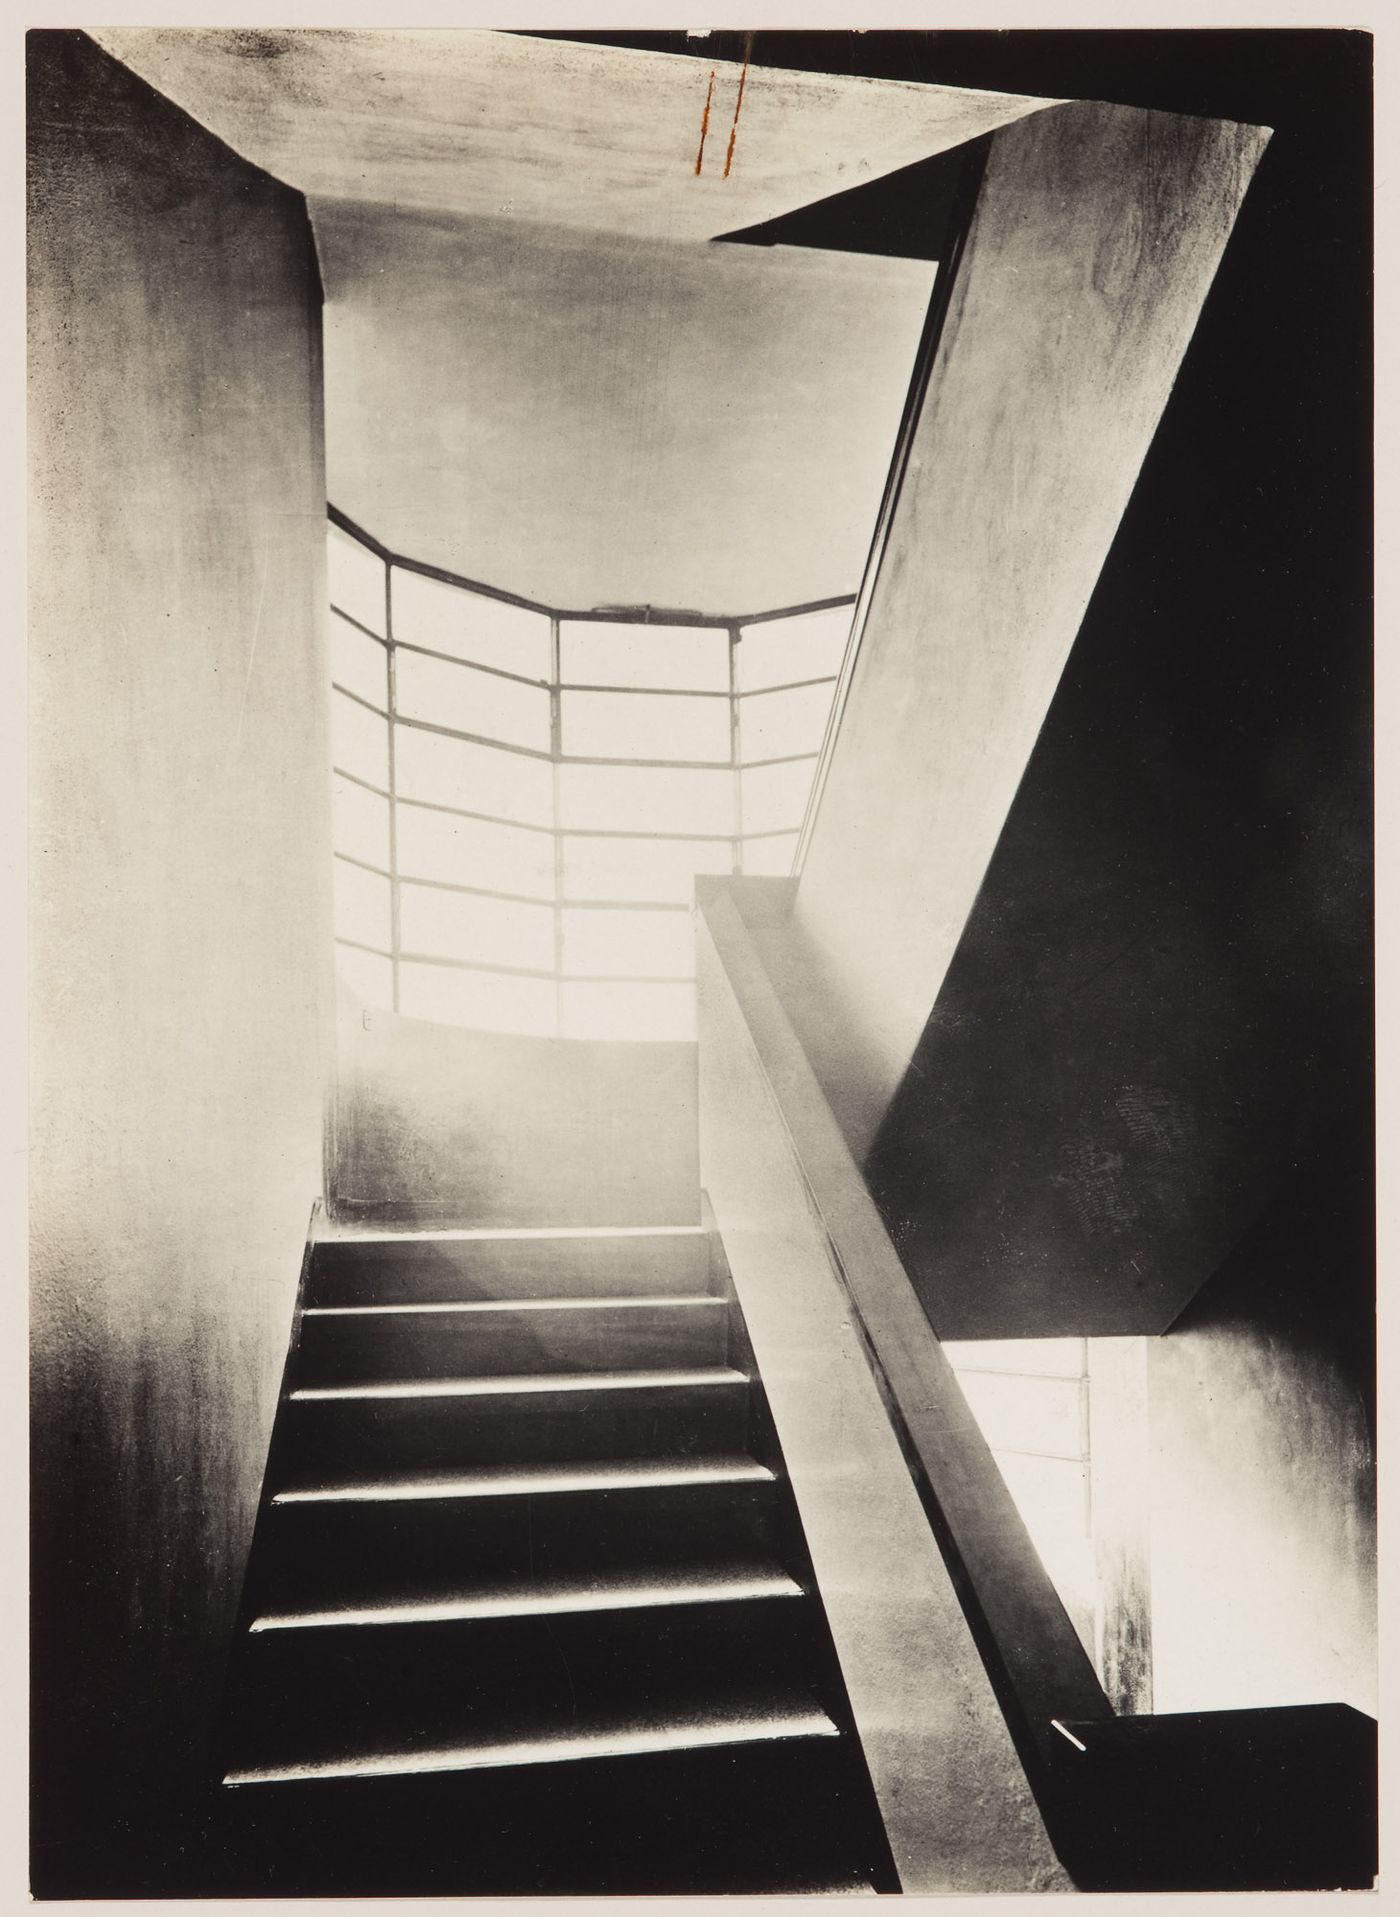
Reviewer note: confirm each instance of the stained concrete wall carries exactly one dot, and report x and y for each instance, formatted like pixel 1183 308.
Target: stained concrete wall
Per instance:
pixel 604 421
pixel 1158 1018
pixel 1261 1489
pixel 480 1128
pixel 181 955
pixel 1096 235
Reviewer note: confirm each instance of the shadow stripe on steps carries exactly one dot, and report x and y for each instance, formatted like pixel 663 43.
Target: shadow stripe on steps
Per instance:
pixel 515 1481
pixel 657 1302
pixel 723 1587
pixel 510 1384
pixel 618 1741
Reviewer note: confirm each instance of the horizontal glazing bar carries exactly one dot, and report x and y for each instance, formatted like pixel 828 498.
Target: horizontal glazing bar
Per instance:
pixel 651 765
pixel 408 877
pixel 378 711
pixel 787 758
pixel 568 758
pixel 475 738
pixel 790 685
pixel 368 784
pixel 360 626
pixel 468 665
pixel 465 812
pixel 625 905
pixel 365 865
pixel 475 965
pixel 519 898
pixel 525 971
pixel 653 692
pixel 563 831
pixel 357 945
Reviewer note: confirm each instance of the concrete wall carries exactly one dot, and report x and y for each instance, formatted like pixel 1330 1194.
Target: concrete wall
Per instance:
pixel 181 956
pixel 591 420
pixel 1095 239
pixel 1261 1488
pixel 1159 1013
pixel 478 1128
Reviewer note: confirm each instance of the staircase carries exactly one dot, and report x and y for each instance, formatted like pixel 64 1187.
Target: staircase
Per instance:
pixel 529 1608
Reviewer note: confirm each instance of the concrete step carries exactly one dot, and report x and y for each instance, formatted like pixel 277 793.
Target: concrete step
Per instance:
pixel 337 1434
pixel 435 1267
pixel 721 1805
pixel 344 1343
pixel 321 1695
pixel 417 1541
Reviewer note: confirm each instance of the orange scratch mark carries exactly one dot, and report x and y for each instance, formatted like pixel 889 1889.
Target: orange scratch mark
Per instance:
pixel 705 121
pixel 739 101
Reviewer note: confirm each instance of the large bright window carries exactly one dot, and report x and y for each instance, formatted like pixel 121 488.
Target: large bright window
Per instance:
pixel 523 796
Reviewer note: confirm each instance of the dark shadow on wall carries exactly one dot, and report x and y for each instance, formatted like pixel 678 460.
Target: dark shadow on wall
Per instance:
pixel 180 1015
pixel 1159 1016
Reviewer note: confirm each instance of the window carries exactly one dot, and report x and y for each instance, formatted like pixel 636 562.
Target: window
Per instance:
pixel 465 925
pixel 363 911
pixel 458 851
pixel 355 579
pixel 522 801
pixel 487 1001
pixel 784 652
pixel 368 976
pixel 473 778
pixel 469 625
pixel 606 798
pixel 661 658
pixel 778 725
pixel 775 797
pixel 659 870
pixel 359 741
pixel 359 663
pixel 645 725
pixel 443 694
pixel 770 857
pixel 614 943
pixel 360 824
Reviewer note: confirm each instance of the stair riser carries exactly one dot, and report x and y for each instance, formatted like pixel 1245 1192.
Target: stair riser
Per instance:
pixel 317 1555
pixel 339 1441
pixel 325 1692
pixel 770 1817
pixel 492 1344
pixel 408 1271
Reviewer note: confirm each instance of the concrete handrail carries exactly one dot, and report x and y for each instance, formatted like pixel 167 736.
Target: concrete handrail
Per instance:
pixel 1036 1664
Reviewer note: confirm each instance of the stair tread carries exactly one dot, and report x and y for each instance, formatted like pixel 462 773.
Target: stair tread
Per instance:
pixel 655 1301
pixel 534 1481
pixel 518 1383
pixel 710 1584
pixel 760 1721
pixel 346 1234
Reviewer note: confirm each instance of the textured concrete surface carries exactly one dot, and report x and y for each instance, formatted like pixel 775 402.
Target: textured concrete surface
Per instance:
pixel 590 420
pixel 1097 233
pixel 955 1802
pixel 491 124
pixel 181 959
pixel 1158 1016
pixel 493 1130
